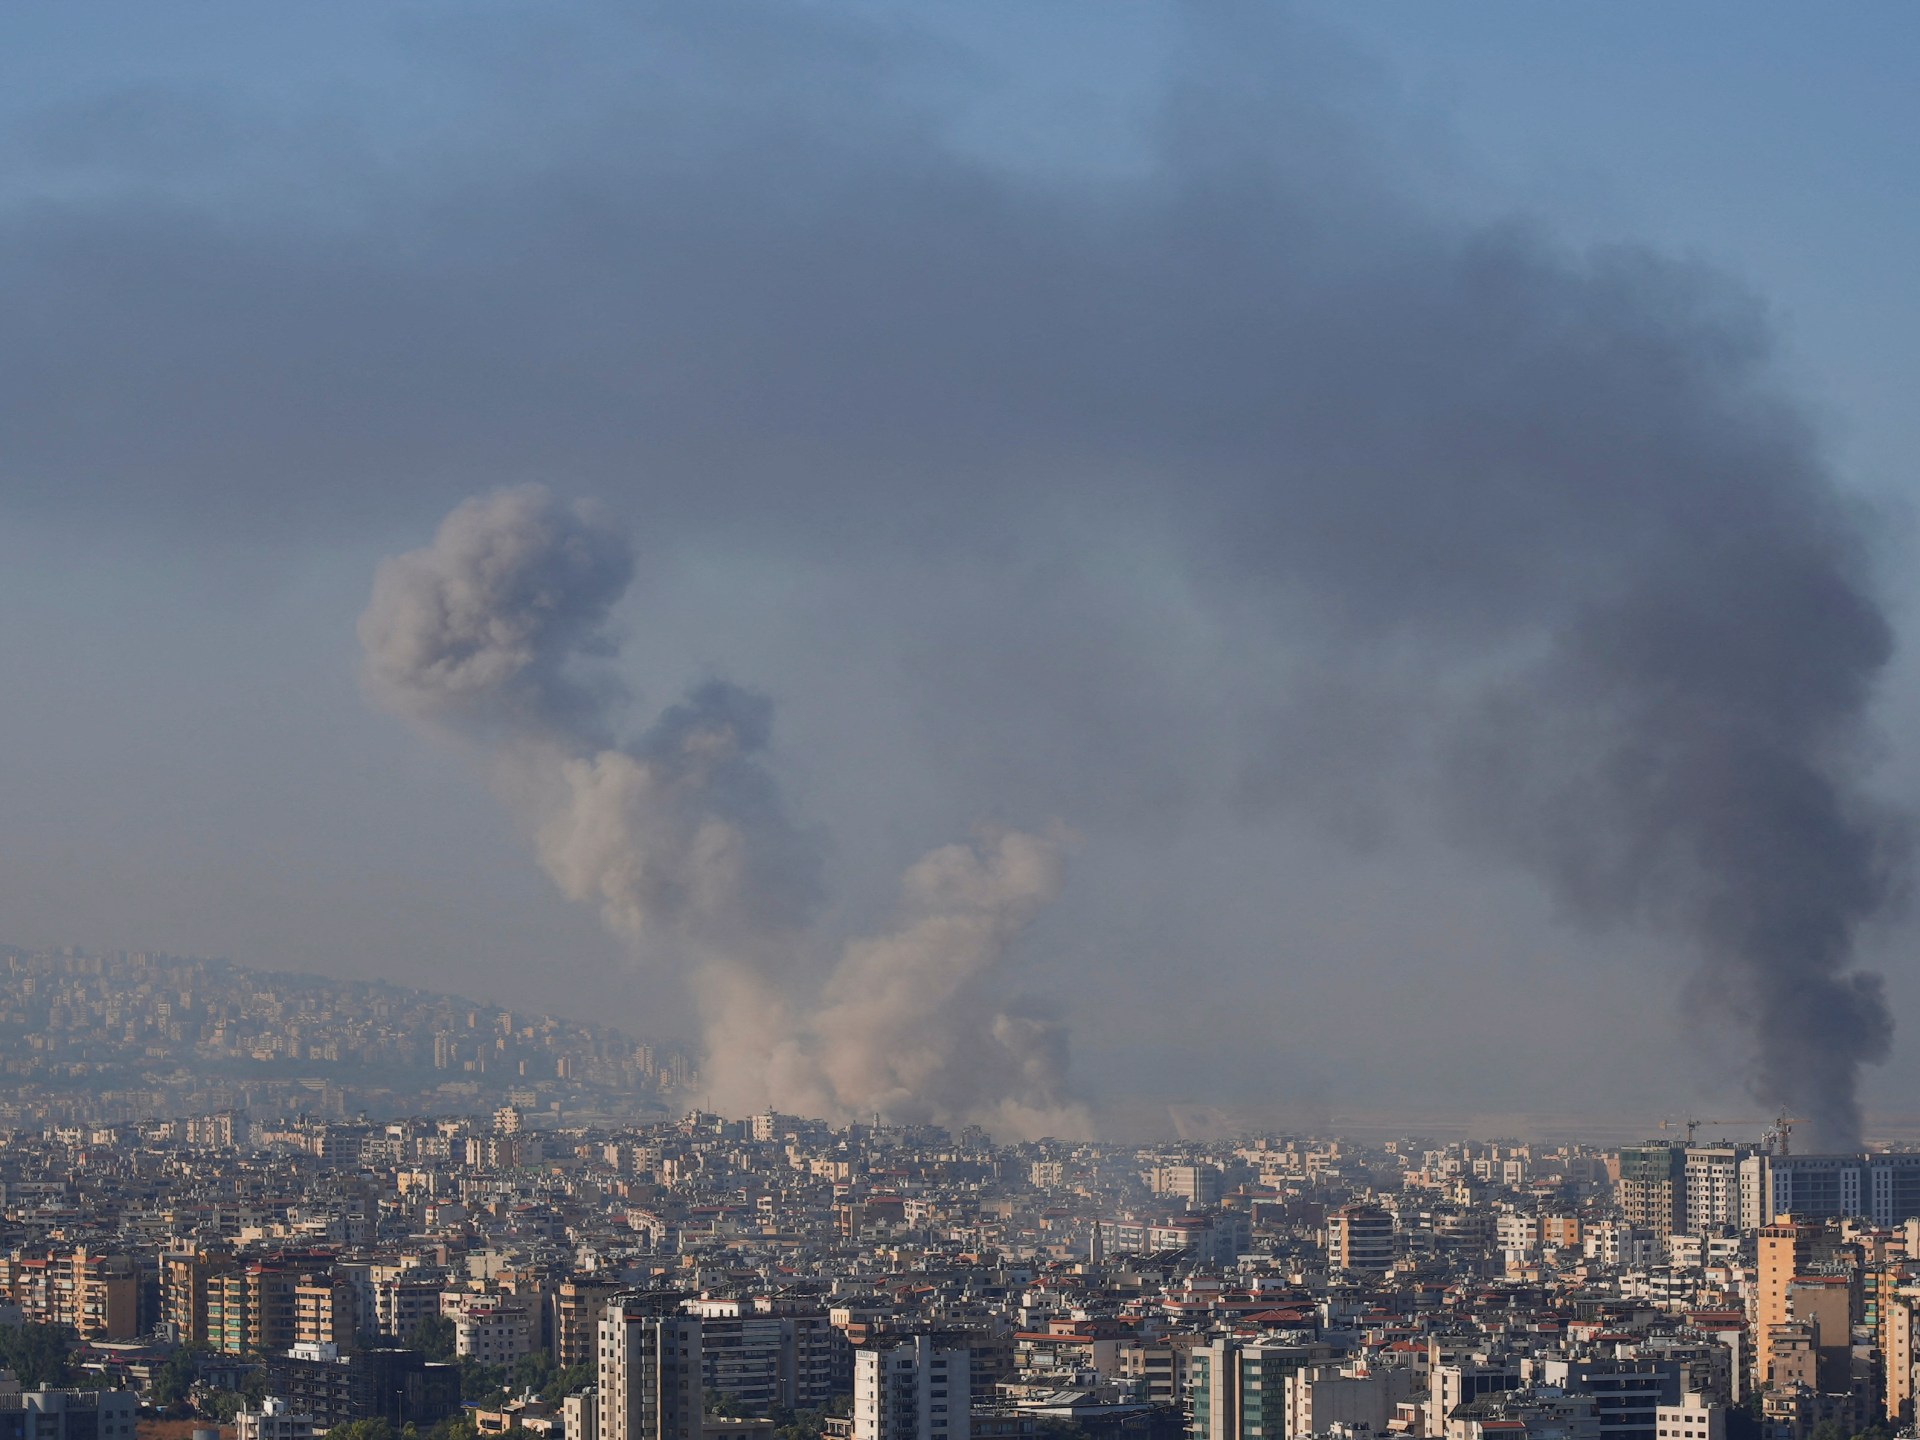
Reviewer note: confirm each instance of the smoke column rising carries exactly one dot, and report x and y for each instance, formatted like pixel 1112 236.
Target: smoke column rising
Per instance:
pixel 914 1023
pixel 495 635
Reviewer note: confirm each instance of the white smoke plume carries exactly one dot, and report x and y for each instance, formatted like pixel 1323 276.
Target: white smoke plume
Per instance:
pixel 913 1023
pixel 495 636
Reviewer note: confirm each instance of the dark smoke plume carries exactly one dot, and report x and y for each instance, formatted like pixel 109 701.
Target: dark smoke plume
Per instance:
pixel 1449 518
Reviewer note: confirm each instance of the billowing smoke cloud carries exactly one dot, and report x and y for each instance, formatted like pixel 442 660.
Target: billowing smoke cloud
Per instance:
pixel 1450 526
pixel 491 635
pixel 482 633
pixel 913 1022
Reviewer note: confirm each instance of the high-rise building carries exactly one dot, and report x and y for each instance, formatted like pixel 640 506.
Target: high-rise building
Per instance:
pixel 1628 1393
pixel 1360 1239
pixel 68 1415
pixel 398 1386
pixel 1714 1197
pixel 1239 1390
pixel 650 1371
pixel 1791 1252
pixel 1883 1187
pixel 762 1358
pixel 577 1309
pixel 911 1387
pixel 97 1294
pixel 1652 1190
pixel 1200 1186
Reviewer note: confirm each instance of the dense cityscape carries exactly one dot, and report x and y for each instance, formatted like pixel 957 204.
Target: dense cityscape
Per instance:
pixel 133 1036
pixel 259 1255
pixel 1127 712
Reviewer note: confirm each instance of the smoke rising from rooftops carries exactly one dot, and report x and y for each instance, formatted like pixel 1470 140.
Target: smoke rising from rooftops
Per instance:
pixel 495 636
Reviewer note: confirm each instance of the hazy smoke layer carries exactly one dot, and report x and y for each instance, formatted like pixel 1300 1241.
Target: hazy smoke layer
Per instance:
pixel 1441 517
pixel 682 838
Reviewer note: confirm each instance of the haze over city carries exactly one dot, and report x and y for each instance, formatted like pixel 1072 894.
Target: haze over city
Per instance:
pixel 1003 564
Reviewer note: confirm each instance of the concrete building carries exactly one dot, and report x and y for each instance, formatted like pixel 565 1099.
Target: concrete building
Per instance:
pixel 1652 1191
pixel 580 1415
pixel 1322 1396
pixel 1714 1195
pixel 577 1309
pixel 1539 1412
pixel 1360 1240
pixel 1628 1393
pixel 326 1311
pixel 1200 1186
pixel 1696 1417
pixel 1239 1389
pixel 494 1329
pixel 397 1386
pixel 274 1420
pixel 650 1371
pixel 915 1387
pixel 1881 1187
pixel 68 1415
pixel 762 1358
pixel 1788 1252
pixel 1456 1377
pixel 95 1293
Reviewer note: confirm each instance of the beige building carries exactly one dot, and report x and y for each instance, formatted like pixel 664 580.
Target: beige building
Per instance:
pixel 97 1294
pixel 274 1420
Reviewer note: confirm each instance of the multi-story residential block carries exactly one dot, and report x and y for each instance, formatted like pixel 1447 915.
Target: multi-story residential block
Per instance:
pixel 1653 1189
pixel 94 1293
pixel 651 1371
pixel 578 1306
pixel 1360 1239
pixel 68 1415
pixel 914 1387
pixel 274 1420
pixel 397 1386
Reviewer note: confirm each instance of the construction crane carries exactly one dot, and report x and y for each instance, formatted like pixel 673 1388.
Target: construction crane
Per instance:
pixel 1782 1131
pixel 1782 1125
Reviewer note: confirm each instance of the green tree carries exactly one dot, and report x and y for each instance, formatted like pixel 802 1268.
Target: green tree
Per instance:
pixel 482 1384
pixel 570 1381
pixel 454 1427
pixel 38 1355
pixel 433 1337
pixel 220 1406
pixel 532 1371
pixel 175 1377
pixel 792 1424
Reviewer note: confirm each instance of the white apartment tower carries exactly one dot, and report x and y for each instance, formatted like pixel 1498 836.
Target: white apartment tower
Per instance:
pixel 1717 1194
pixel 911 1387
